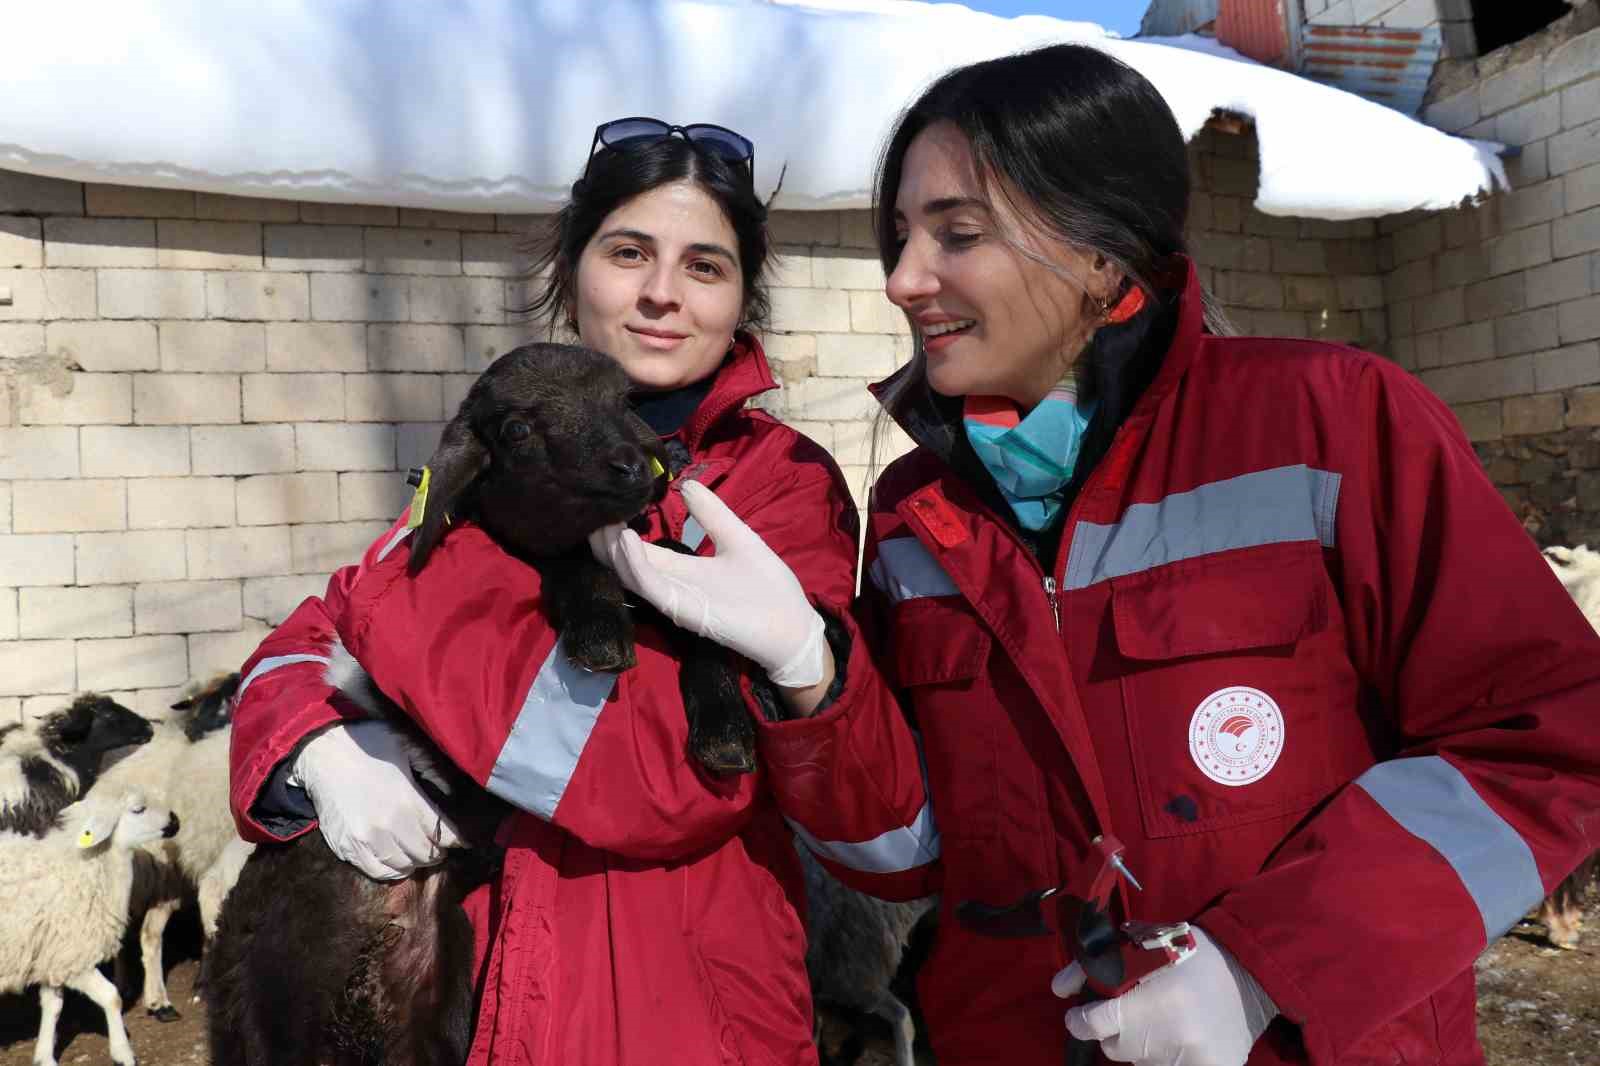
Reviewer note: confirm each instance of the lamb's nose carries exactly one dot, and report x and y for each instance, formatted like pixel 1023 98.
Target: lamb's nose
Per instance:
pixel 171 828
pixel 630 464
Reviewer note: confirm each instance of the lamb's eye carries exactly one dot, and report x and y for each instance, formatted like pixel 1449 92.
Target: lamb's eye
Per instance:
pixel 137 809
pixel 515 432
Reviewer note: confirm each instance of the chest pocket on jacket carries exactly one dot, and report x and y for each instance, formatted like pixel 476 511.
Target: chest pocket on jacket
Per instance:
pixel 1236 682
pixel 940 650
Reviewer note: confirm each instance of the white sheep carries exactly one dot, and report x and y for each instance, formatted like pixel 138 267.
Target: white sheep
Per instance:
pixel 1579 571
pixel 1562 911
pixel 191 777
pixel 66 907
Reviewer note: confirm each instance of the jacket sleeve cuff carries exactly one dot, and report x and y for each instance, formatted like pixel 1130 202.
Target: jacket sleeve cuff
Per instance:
pixel 772 723
pixel 1287 995
pixel 267 807
pixel 763 694
pixel 282 807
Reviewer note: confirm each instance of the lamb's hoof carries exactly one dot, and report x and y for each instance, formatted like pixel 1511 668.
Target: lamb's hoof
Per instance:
pixel 724 757
pixel 599 654
pixel 169 1013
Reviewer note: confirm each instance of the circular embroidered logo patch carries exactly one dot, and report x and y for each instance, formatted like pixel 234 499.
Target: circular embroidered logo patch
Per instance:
pixel 1236 735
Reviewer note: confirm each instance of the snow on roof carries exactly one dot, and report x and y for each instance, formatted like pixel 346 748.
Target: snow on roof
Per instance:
pixel 490 105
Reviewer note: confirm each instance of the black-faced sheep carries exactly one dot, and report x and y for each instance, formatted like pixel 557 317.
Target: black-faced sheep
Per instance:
pixel 66 907
pixel 48 764
pixel 314 962
pixel 1562 913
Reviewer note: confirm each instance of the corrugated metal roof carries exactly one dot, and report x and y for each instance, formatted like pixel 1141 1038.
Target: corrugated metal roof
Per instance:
pixel 1173 18
pixel 1255 28
pixel 1389 66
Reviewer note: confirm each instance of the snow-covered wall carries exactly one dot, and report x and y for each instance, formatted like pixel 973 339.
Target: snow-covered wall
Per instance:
pixel 490 105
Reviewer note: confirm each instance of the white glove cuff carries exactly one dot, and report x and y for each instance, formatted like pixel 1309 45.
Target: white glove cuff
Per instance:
pixel 804 668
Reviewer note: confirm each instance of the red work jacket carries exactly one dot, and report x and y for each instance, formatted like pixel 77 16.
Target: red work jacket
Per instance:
pixel 1295 652
pixel 647 912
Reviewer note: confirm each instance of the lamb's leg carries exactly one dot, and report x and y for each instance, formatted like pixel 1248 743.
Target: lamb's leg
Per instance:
pixel 215 884
pixel 898 1015
pixel 589 611
pixel 157 1003
pixel 103 993
pixel 44 1048
pixel 218 881
pixel 722 737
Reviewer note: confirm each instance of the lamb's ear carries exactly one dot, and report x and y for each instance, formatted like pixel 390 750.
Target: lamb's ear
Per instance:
pixel 457 461
pixel 97 824
pixel 656 450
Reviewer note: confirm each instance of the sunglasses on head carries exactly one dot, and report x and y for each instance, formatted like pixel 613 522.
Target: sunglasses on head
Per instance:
pixel 625 133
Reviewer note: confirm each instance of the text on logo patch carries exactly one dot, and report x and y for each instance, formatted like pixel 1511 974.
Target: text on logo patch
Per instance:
pixel 1236 735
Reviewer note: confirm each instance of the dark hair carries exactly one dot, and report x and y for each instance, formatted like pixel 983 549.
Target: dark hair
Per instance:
pixel 617 175
pixel 1076 142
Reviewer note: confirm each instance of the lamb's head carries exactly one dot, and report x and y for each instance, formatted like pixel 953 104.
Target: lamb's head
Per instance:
pixel 208 706
pixel 123 821
pixel 543 451
pixel 93 725
pixel 1574 566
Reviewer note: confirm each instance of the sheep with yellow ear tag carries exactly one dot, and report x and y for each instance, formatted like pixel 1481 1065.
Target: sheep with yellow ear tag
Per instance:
pixel 67 907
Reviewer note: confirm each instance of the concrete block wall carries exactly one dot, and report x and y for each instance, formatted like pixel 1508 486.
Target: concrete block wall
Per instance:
pixel 207 404
pixel 1275 276
pixel 1497 306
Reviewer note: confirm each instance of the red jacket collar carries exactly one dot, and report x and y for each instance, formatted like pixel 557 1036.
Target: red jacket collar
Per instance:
pixel 1185 338
pixel 743 374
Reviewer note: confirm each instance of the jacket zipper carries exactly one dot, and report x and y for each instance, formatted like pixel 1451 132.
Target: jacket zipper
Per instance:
pixel 1050 594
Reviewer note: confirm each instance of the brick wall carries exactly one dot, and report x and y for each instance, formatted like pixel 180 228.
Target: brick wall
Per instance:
pixel 207 403
pixel 1497 306
pixel 204 405
pixel 1282 277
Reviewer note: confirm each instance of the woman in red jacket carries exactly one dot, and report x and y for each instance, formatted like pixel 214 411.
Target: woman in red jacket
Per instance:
pixel 647 912
pixel 1249 606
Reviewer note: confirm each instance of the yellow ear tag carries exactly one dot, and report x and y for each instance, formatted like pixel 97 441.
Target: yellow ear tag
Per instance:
pixel 656 469
pixel 86 839
pixel 419 501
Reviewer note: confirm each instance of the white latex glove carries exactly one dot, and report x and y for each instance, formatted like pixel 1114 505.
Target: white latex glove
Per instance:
pixel 1205 1011
pixel 370 810
pixel 744 597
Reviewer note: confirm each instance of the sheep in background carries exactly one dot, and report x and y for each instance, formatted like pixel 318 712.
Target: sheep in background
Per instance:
pixel 1562 914
pixel 1579 571
pixel 67 907
pixel 854 946
pixel 185 767
pixel 208 706
pixel 49 763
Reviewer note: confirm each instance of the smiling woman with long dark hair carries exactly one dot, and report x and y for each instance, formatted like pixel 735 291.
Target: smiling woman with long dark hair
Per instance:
pixel 1248 606
pixel 648 910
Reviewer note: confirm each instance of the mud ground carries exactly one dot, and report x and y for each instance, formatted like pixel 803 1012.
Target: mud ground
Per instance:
pixel 1536 1007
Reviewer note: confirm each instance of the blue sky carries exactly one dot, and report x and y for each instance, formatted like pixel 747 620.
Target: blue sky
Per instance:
pixel 1120 15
